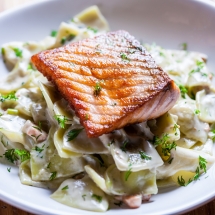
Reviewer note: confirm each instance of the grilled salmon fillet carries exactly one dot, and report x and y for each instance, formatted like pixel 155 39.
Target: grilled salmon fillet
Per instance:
pixel 110 81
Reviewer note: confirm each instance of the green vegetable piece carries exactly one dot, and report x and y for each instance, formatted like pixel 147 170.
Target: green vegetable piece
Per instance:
pixel 74 133
pixel 144 156
pixel 97 197
pixel 53 33
pixel 18 52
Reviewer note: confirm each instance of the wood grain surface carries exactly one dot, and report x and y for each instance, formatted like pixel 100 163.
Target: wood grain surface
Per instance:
pixel 6 209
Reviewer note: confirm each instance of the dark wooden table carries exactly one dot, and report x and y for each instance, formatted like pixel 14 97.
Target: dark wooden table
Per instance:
pixel 6 209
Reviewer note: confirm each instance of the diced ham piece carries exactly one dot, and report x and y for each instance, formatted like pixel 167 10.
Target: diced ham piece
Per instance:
pixel 133 201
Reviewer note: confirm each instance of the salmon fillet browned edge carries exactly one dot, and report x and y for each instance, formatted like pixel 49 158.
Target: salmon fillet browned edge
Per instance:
pixel 110 81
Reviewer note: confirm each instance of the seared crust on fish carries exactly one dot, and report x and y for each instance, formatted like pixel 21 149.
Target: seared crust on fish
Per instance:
pixel 110 81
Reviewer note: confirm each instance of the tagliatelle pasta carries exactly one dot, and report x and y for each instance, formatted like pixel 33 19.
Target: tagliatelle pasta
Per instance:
pixel 41 134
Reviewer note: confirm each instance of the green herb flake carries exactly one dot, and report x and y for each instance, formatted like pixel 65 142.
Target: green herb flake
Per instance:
pixel 98 198
pixel 200 65
pixel 13 155
pixel 67 38
pixel 111 142
pixel 48 166
pixel 203 163
pixel 97 89
pixel 144 156
pixel 83 196
pixel 170 160
pixel 30 67
pixel 18 52
pixel 61 120
pixel 128 173
pixel 53 33
pixel 39 127
pixel 165 145
pixel 92 29
pixel 9 96
pixel 183 91
pixel 3 51
pixel 162 54
pixel 124 56
pixel 182 182
pixel 53 176
pixel 123 147
pixel 197 111
pixel 63 40
pixel 213 137
pixel 65 188
pixel 74 133
pixel 38 149
pixel 197 175
pixel 183 46
pixel 175 127
pixel 9 169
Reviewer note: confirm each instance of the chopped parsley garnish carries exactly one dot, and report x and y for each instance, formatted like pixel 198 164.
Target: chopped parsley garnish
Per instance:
pixel 92 29
pixel 53 33
pixel 61 120
pixel 128 173
pixel 202 163
pixel 184 46
pixel 165 146
pixel 111 142
pixel 97 89
pixel 63 40
pixel 65 188
pixel 9 96
pixel 196 176
pixel 39 127
pixel 200 65
pixel 48 166
pixel 162 54
pixel 98 198
pixel 144 156
pixel 124 56
pixel 18 52
pixel 36 137
pixel 53 176
pixel 170 160
pixel 183 90
pixel 74 133
pixel 83 196
pixel 30 66
pixel 182 182
pixel 197 111
pixel 67 38
pixel 175 127
pixel 3 51
pixel 9 169
pixel 38 149
pixel 213 137
pixel 123 147
pixel 13 155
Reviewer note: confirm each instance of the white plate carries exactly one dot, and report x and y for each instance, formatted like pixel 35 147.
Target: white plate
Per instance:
pixel 168 23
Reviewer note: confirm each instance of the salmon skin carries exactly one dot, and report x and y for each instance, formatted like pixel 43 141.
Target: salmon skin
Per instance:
pixel 110 81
